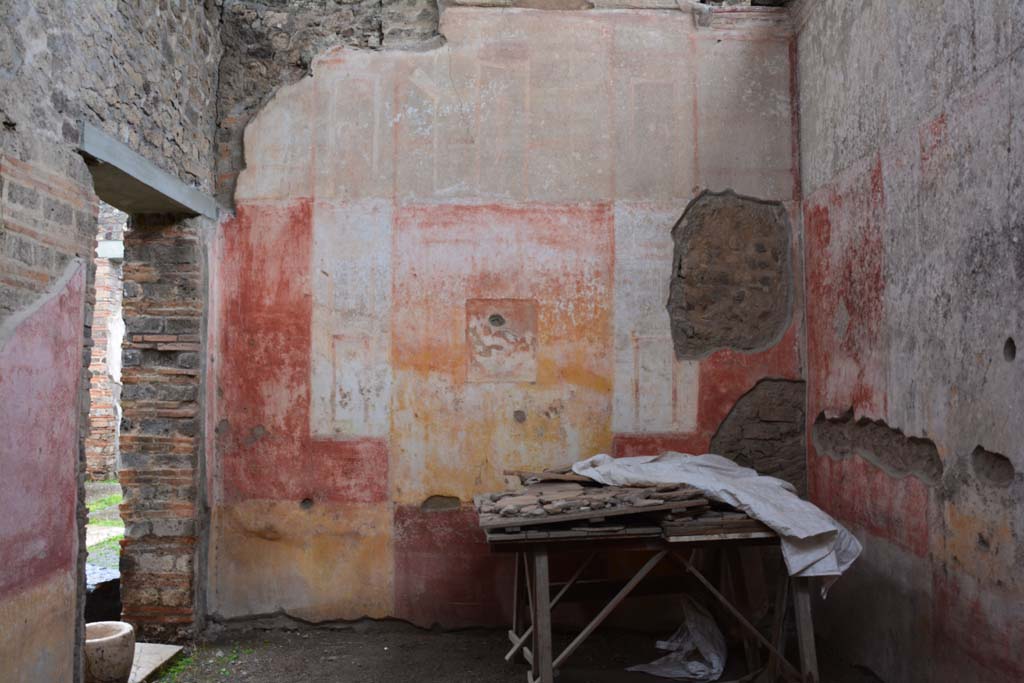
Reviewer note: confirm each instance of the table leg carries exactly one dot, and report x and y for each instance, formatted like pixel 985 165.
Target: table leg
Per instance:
pixel 771 672
pixel 805 629
pixel 788 668
pixel 516 597
pixel 736 579
pixel 519 640
pixel 521 602
pixel 543 671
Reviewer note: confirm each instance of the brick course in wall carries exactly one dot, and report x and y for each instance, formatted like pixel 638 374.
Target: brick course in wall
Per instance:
pixel 104 384
pixel 161 432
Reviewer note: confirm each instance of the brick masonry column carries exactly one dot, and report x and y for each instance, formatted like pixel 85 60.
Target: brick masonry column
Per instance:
pixel 101 444
pixel 161 430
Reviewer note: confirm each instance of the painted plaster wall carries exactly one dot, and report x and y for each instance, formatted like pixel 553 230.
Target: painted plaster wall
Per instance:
pixel 40 362
pixel 912 146
pixel 452 262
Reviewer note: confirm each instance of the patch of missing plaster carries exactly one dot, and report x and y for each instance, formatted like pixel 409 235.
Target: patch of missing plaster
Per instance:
pixel 731 285
pixel 878 443
pixel 440 503
pixel 765 431
pixel 255 434
pixel 994 469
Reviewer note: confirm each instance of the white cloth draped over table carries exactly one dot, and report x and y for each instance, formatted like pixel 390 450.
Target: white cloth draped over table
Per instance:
pixel 813 544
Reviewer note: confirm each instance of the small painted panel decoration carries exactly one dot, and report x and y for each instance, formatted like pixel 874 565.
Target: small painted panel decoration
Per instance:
pixel 501 340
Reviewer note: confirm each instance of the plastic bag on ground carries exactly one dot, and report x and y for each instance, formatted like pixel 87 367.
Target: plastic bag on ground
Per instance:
pixel 696 651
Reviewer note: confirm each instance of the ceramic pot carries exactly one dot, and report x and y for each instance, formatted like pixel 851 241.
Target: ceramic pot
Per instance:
pixel 109 651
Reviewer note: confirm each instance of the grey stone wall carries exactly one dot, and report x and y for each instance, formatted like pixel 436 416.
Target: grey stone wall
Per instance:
pixel 912 155
pixel 143 71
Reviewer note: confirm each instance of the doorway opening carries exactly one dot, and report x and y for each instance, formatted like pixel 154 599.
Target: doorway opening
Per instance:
pixel 103 494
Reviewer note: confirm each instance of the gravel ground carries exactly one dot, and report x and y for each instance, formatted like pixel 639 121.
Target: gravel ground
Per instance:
pixel 375 655
pixel 390 652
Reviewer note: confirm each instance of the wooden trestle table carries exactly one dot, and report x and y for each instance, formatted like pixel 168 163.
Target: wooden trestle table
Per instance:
pixel 530 634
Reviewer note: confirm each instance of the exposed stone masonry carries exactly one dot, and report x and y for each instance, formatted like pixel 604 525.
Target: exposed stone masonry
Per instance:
pixel 144 71
pixel 730 284
pixel 765 431
pixel 898 455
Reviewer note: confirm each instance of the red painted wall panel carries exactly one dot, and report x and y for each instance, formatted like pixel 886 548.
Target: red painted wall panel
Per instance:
pixel 264 445
pixel 445 573
pixel 40 368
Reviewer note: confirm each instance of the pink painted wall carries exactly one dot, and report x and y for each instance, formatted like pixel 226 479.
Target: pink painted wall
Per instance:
pixel 392 206
pixel 40 368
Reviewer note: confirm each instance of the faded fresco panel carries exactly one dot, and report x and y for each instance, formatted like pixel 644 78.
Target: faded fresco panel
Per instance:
pixel 654 392
pixel 351 377
pixel 744 92
pixel 454 437
pixel 653 97
pixel 325 562
pixel 353 148
pixel 501 340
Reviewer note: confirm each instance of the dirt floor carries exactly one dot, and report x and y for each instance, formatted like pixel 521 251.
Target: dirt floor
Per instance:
pixel 391 653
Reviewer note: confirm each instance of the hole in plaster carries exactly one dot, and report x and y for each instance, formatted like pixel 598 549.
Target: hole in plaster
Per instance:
pixel 306 503
pixel 731 280
pixel 496 319
pixel 991 468
pixel 878 443
pixel 1010 349
pixel 764 430
pixel 519 416
pixel 438 503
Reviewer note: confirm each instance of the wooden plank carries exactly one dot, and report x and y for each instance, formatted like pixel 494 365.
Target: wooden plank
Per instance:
pixel 492 521
pixel 542 666
pixel 607 609
pixel 707 530
pixel 805 629
pixel 550 476
pixel 732 536
pixel 568 536
pixel 519 642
